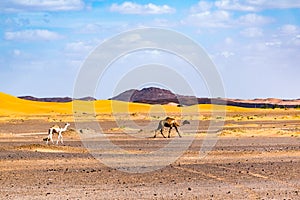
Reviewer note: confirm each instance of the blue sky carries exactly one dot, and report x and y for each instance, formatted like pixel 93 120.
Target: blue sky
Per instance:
pixel 255 44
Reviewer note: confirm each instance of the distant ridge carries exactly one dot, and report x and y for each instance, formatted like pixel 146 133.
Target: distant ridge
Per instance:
pixel 153 95
pixel 55 99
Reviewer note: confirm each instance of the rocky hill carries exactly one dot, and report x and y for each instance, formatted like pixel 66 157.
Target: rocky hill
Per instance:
pixel 145 95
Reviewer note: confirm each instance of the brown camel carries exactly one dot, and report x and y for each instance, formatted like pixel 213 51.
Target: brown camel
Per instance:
pixel 169 122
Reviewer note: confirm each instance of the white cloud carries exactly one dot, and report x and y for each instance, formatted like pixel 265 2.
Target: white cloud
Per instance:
pixel 76 52
pixel 278 4
pixel 134 8
pixel 41 5
pixel 253 19
pixel 234 5
pixel 32 35
pixel 218 18
pixel 252 32
pixel 256 5
pixel 228 41
pixel 289 29
pixel 274 43
pixel 163 23
pixel 296 40
pixel 131 38
pixel 227 54
pixel 214 19
pixel 202 6
pixel 16 52
pixel 81 47
pixel 91 28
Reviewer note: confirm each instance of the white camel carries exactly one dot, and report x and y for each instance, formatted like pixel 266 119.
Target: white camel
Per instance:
pixel 58 130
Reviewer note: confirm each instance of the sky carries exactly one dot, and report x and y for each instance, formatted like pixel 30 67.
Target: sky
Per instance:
pixel 254 44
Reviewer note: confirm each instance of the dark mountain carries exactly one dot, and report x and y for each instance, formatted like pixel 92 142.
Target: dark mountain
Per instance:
pixel 155 95
pixel 55 99
pixel 144 95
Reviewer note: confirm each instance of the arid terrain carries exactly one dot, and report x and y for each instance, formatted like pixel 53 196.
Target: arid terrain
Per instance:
pixel 256 156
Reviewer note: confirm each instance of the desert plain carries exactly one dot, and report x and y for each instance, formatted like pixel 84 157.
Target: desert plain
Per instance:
pixel 254 154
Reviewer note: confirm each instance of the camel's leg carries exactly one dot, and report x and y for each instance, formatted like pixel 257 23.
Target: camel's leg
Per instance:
pixel 161 131
pixel 50 137
pixel 59 138
pixel 155 133
pixel 177 131
pixel 170 132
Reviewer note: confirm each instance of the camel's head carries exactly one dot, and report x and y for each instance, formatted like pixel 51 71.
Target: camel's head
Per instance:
pixel 67 124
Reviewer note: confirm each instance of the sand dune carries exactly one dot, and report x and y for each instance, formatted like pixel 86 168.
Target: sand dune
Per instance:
pixel 10 105
pixel 13 105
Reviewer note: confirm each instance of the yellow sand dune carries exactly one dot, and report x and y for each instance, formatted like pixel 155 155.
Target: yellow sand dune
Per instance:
pixel 10 105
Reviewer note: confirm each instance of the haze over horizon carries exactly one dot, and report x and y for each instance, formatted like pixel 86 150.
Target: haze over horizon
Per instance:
pixel 255 45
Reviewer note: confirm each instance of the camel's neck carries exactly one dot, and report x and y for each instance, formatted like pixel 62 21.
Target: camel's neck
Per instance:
pixel 65 128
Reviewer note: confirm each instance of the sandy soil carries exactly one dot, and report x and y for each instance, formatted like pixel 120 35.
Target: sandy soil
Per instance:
pixel 257 156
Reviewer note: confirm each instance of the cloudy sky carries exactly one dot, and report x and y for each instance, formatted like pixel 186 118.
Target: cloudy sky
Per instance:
pixel 255 44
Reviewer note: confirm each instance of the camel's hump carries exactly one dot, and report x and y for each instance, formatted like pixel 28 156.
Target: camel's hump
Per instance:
pixel 170 118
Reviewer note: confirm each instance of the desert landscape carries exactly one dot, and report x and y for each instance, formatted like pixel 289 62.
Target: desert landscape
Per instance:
pixel 92 93
pixel 255 156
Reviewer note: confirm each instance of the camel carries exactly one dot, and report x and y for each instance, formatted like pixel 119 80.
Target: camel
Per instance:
pixel 58 130
pixel 169 122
